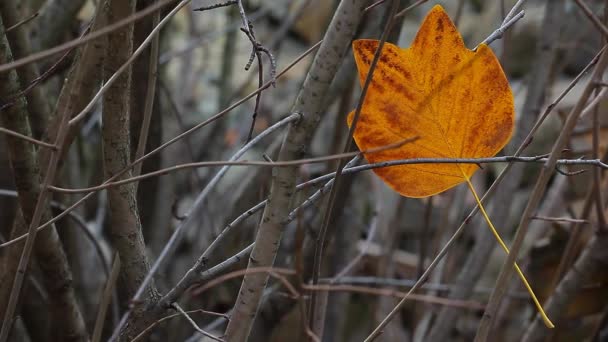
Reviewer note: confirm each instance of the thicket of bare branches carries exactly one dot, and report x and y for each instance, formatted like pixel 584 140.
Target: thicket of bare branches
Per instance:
pixel 182 171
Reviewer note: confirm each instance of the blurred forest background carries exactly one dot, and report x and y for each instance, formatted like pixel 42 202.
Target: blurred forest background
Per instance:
pixel 90 88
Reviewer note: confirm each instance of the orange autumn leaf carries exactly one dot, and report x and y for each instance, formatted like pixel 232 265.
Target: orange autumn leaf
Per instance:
pixel 456 101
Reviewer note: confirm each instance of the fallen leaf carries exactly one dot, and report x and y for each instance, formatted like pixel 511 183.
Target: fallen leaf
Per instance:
pixel 457 101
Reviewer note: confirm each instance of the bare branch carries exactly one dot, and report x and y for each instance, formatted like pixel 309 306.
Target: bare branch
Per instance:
pixel 26 138
pixel 22 22
pixel 214 6
pixel 593 18
pixel 106 298
pixel 193 323
pixel 150 95
pixel 502 29
pixel 194 274
pixel 560 219
pixel 181 136
pixel 83 40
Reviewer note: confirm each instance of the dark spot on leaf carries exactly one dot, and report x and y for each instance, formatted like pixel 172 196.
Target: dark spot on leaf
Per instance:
pixel 440 25
pixel 376 86
pixel 400 70
pixel 365 60
pixel 504 127
pixel 392 114
pixel 402 90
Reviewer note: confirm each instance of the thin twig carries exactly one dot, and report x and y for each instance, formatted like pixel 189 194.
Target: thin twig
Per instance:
pixel 601 325
pixel 593 18
pixel 106 298
pixel 258 98
pixel 199 42
pixel 178 118
pixel 22 22
pixel 281 273
pixel 173 140
pixel 424 242
pixel 597 176
pixel 256 52
pixel 502 29
pixel 491 160
pixel 256 46
pixel 80 222
pixel 515 9
pixel 110 81
pixel 277 38
pixel 409 8
pixel 11 100
pixel 178 232
pixel 28 139
pixel 590 108
pixel 505 159
pixel 560 219
pixel 201 262
pixel 572 246
pixel 83 40
pixel 355 169
pixel 371 234
pixel 193 323
pixel 466 304
pixel 314 197
pixel 408 283
pixel 377 3
pixel 150 96
pixel 214 6
pixel 209 274
pixel 194 273
pixel 231 162
pixel 166 318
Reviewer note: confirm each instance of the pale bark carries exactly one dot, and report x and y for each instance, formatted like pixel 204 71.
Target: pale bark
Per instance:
pixel 308 103
pixel 124 223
